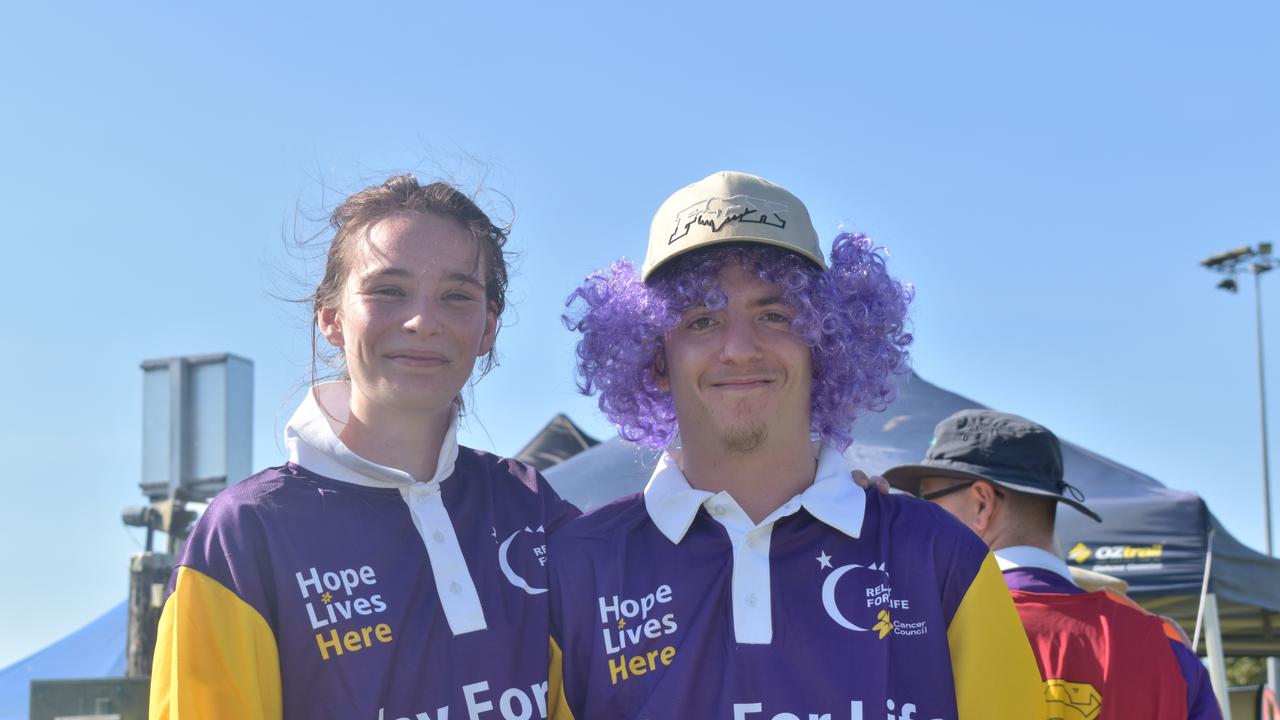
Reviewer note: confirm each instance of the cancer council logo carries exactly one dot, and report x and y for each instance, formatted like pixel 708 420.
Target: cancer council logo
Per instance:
pixel 859 597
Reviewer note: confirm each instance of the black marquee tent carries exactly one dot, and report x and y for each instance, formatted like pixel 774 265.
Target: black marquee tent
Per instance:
pixel 559 440
pixel 1159 540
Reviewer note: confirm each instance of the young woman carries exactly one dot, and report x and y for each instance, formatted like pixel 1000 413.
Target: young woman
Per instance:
pixel 384 572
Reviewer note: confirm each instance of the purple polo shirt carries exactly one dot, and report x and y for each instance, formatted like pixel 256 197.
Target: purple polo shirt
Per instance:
pixel 335 587
pixel 841 605
pixel 347 593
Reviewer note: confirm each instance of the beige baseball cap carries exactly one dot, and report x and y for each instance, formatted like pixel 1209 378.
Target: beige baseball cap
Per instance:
pixel 730 207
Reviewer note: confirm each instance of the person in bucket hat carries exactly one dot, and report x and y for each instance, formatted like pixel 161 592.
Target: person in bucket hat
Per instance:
pixel 1100 656
pixel 751 578
pixel 1006 451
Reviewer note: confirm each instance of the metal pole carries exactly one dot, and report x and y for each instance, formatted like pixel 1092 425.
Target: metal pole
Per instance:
pixel 1273 674
pixel 1262 402
pixel 1229 264
pixel 1213 649
pixel 1273 667
pixel 1204 591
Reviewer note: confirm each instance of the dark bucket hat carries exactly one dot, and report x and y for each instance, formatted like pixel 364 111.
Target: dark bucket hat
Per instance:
pixel 1007 450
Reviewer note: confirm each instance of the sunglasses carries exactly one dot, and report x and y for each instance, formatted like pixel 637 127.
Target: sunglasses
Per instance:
pixel 956 488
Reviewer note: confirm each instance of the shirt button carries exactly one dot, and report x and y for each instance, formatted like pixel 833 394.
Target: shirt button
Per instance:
pixel 438 536
pixel 717 510
pixel 752 600
pixel 455 588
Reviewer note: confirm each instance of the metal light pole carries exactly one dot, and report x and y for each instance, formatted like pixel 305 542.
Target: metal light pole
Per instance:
pixel 1256 261
pixel 1257 269
pixel 1259 261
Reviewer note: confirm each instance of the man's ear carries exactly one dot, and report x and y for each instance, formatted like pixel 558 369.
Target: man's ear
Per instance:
pixel 330 326
pixel 984 496
pixel 659 371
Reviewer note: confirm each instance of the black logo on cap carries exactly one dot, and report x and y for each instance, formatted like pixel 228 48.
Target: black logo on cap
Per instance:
pixel 717 213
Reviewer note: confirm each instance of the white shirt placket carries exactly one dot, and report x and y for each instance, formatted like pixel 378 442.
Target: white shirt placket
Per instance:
pixel 457 591
pixel 751 591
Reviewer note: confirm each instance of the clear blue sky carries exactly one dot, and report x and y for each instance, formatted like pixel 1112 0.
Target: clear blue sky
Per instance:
pixel 1047 174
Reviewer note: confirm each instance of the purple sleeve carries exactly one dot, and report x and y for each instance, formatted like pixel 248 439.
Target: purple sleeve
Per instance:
pixel 1202 704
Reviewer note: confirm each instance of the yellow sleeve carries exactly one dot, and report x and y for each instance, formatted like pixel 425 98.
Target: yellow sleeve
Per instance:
pixel 995 672
pixel 557 703
pixel 216 657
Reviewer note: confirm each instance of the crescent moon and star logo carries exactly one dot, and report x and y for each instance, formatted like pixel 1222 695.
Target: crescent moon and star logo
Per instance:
pixel 870 603
pixel 528 540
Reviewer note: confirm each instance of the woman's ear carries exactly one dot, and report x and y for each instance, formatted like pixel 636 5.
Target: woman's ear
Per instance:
pixel 330 325
pixel 490 333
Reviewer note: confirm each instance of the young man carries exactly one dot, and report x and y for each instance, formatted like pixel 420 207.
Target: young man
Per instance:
pixel 751 580
pixel 1100 656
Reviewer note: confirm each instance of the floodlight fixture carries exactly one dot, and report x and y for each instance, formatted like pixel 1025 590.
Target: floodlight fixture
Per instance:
pixel 140 516
pixel 1230 263
pixel 143 516
pixel 167 516
pixel 1227 260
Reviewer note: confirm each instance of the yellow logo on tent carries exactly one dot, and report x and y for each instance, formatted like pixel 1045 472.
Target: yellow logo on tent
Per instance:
pixel 1071 700
pixel 1116 553
pixel 1079 553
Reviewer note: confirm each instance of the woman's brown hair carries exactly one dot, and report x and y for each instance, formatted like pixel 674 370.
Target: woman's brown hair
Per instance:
pixel 403 193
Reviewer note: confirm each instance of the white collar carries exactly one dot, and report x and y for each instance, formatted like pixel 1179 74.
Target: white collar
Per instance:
pixel 1018 556
pixel 833 498
pixel 312 438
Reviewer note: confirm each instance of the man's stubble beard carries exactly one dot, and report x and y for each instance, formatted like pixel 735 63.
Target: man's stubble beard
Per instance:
pixel 744 439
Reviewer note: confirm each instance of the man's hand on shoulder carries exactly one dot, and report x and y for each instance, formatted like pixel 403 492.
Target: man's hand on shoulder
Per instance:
pixel 866 482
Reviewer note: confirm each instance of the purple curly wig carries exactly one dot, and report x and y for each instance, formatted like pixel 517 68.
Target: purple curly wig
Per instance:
pixel 853 316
